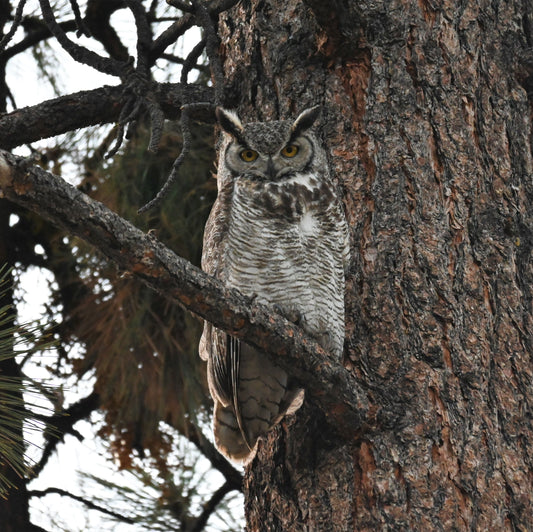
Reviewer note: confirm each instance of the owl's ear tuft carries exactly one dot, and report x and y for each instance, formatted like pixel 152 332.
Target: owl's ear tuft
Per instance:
pixel 230 122
pixel 305 120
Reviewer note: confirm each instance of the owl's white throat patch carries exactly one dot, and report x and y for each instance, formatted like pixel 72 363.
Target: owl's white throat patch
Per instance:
pixel 308 224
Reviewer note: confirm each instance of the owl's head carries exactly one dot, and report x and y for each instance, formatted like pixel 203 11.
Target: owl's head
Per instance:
pixel 268 150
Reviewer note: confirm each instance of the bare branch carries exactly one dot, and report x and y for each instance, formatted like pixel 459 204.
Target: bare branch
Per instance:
pixel 210 42
pixel 171 179
pixel 179 60
pixel 185 131
pixel 206 22
pixel 197 437
pixel 89 108
pixel 177 29
pixel 106 65
pixel 332 388
pixel 170 35
pixel 144 36
pixel 16 22
pixel 63 423
pixel 190 62
pixel 198 524
pixel 98 20
pixel 89 504
pixel 82 28
pixel 34 37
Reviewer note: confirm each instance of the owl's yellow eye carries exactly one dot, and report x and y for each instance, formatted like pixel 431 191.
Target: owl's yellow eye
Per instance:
pixel 248 155
pixel 289 151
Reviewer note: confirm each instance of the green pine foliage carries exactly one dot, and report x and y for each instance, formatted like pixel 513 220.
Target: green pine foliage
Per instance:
pixel 20 411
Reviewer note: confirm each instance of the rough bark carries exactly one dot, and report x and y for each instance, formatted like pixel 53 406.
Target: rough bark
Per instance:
pixel 428 124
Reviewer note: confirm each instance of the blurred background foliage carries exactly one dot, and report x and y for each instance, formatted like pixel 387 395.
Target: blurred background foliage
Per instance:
pixel 143 347
pixel 121 371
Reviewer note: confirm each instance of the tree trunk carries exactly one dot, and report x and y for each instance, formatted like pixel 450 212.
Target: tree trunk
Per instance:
pixel 428 124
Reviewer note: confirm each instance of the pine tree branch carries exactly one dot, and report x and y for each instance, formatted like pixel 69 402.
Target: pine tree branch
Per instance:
pixel 89 504
pixel 106 65
pixel 178 28
pixel 98 20
pixel 63 423
pixel 16 22
pixel 327 383
pixel 198 524
pixel 87 108
pixel 34 37
pixel 197 437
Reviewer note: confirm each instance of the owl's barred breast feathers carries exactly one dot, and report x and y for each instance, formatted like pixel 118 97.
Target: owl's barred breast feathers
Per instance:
pixel 277 232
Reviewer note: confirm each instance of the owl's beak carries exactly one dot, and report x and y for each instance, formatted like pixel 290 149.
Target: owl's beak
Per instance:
pixel 270 169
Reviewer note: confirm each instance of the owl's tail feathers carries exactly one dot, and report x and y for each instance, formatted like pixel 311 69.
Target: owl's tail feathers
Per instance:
pixel 228 433
pixel 228 436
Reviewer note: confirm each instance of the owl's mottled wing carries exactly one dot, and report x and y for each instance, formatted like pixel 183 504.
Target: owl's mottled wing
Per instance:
pixel 233 362
pixel 213 343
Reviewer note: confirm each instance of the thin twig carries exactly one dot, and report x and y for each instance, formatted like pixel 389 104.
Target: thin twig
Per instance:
pixel 157 121
pixel 144 35
pixel 180 4
pixel 180 61
pixel 187 139
pixel 211 47
pixel 170 36
pixel 178 28
pixel 195 435
pixel 34 37
pixel 128 110
pixel 198 524
pixel 80 54
pixel 89 504
pixel 63 423
pixel 82 28
pixel 186 135
pixel 191 59
pixel 16 22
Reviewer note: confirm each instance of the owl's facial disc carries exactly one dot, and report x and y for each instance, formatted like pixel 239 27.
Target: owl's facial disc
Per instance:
pixel 278 163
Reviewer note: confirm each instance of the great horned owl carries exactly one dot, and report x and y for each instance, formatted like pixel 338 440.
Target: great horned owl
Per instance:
pixel 276 232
